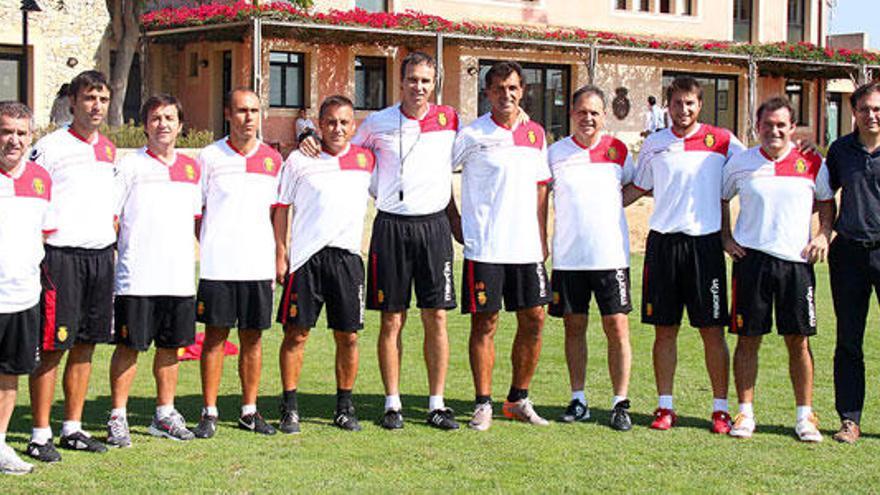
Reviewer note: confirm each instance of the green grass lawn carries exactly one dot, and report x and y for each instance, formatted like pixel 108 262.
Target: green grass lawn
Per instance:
pixel 509 457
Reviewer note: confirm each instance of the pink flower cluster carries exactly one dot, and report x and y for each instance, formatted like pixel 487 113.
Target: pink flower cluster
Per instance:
pixel 417 21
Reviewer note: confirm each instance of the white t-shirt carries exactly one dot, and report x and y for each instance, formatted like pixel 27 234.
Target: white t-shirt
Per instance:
pixel 424 147
pixel 685 175
pixel 329 195
pixel 82 174
pixel 25 215
pixel 157 204
pixel 590 230
pixel 776 199
pixel 237 242
pixel 501 169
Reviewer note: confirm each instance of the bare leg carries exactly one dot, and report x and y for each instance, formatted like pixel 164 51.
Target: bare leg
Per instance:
pixel 436 349
pixel 291 355
pixel 250 364
pixel 212 363
pixel 390 350
pixel 745 367
pixel 576 349
pixel 800 368
pixel 165 371
pixel 616 328
pixel 346 359
pixel 482 350
pixel 42 387
pixel 527 345
pixel 123 368
pixel 665 357
pixel 717 360
pixel 76 380
pixel 8 390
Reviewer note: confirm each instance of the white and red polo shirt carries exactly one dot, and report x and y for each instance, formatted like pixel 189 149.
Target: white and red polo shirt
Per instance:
pixel 329 195
pixel 590 230
pixel 501 169
pixel 25 216
pixel 776 199
pixel 237 242
pixel 82 174
pixel 413 156
pixel 684 172
pixel 157 203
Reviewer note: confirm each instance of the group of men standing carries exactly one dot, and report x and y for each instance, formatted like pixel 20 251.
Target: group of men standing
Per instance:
pixel 124 228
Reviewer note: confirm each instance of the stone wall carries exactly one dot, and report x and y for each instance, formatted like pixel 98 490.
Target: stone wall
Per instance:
pixel 64 30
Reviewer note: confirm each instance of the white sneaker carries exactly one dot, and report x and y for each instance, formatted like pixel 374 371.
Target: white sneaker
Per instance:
pixel 482 418
pixel 743 426
pixel 807 429
pixel 10 463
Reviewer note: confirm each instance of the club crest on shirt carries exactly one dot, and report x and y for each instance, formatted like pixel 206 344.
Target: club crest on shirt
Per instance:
pixel 62 334
pixel 612 153
pixel 200 309
pixel 269 164
pixel 532 137
pixel 362 160
pixel 441 119
pixel 481 297
pixel 39 186
pixel 739 321
pixel 108 150
pixel 800 166
pixel 190 172
pixel 709 140
pixel 380 296
pixel 293 311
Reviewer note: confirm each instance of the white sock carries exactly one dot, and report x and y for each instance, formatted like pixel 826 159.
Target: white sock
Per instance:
pixel 616 399
pixel 118 412
pixel 248 409
pixel 804 412
pixel 393 402
pixel 745 408
pixel 719 405
pixel 435 402
pixel 71 427
pixel 41 435
pixel 211 411
pixel 578 395
pixel 3 438
pixel 665 402
pixel 164 411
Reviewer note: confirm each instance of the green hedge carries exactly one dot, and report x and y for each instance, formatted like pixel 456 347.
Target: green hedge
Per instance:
pixel 132 136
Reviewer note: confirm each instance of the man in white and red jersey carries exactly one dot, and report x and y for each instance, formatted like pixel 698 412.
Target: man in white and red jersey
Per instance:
pixel 778 186
pixel 329 195
pixel 504 214
pixel 158 198
pixel 411 245
pixel 240 177
pixel 684 260
pixel 77 301
pixel 25 194
pixel 591 249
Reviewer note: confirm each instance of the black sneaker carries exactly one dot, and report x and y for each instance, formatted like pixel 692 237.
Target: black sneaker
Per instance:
pixel 345 419
pixel 576 411
pixel 443 419
pixel 80 441
pixel 207 426
pixel 43 453
pixel 289 420
pixel 620 419
pixel 255 423
pixel 392 420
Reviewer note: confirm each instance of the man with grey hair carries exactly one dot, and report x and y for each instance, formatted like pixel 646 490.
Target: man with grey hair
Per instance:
pixel 25 190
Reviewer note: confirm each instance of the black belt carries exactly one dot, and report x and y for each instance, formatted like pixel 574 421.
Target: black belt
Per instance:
pixel 869 245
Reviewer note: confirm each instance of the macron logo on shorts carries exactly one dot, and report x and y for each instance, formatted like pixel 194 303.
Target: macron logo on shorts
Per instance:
pixel 620 276
pixel 715 289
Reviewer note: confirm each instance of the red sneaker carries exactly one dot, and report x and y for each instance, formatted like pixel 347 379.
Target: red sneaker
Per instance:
pixel 720 422
pixel 664 419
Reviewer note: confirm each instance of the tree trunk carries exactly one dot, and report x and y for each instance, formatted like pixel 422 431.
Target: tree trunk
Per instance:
pixel 126 16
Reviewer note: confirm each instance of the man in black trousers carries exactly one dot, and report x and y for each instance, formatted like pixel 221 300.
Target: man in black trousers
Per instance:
pixel 854 257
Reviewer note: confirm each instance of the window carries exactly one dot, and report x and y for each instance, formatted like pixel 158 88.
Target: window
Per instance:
pixel 621 5
pixel 369 83
pixel 833 117
pixel 644 5
pixel 545 96
pixel 10 77
pixel 131 105
pixel 665 6
pixel 372 5
pixel 286 80
pixel 719 98
pixel 794 91
pixel 688 7
pixel 742 20
pixel 796 20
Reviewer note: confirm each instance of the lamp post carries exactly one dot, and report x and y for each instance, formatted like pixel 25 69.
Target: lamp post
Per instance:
pixel 27 6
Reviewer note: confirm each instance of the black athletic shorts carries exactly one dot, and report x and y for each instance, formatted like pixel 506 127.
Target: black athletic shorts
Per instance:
pixel 760 282
pixel 684 271
pixel 246 304
pixel 20 341
pixel 572 290
pixel 407 251
pixel 333 276
pixel 520 286
pixel 77 300
pixel 168 320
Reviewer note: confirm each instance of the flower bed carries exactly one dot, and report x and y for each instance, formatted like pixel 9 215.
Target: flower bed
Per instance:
pixel 415 21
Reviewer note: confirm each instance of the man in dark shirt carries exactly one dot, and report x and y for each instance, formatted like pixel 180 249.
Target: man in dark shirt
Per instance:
pixel 854 257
